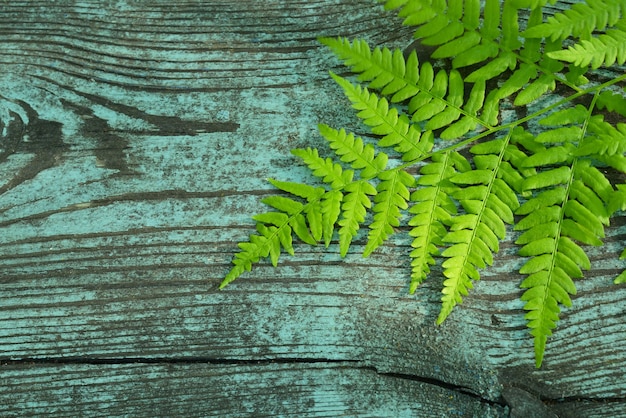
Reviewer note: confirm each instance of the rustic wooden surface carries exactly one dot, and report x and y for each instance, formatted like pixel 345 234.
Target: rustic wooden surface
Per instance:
pixel 135 141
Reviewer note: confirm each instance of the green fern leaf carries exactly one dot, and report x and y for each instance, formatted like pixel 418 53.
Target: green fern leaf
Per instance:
pixel 386 121
pixel 329 171
pixel 555 258
pixel 310 233
pixel 580 20
pixel 283 230
pixel 331 209
pixel 460 203
pixel 613 102
pixel 275 228
pixel 353 151
pixel 298 189
pixel 414 12
pixel 440 103
pixel 504 62
pixel 571 206
pixel 284 204
pixel 432 210
pixel 567 116
pixel 488 202
pixel 549 283
pixel 536 89
pixel 517 81
pixel 353 209
pixel 606 49
pixel 468 41
pixel 604 139
pixel 491 44
pixel 267 243
pixel 391 197
pixel 323 214
pixel 385 70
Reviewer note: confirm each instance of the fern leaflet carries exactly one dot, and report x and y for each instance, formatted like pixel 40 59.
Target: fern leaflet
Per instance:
pixel 433 210
pixel 488 202
pixel 606 49
pixel 581 20
pixel 570 205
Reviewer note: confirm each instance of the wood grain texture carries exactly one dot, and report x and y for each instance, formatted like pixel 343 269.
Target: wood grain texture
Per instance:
pixel 135 143
pixel 215 390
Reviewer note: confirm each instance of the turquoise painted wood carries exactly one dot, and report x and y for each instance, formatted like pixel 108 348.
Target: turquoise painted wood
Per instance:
pixel 135 140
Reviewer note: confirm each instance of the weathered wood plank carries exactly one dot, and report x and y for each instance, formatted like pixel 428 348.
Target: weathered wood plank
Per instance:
pixel 135 143
pixel 200 389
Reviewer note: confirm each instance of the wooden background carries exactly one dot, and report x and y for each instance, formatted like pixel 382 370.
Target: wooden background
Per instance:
pixel 135 140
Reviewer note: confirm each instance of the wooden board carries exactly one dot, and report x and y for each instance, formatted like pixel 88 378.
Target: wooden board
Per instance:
pixel 135 142
pixel 238 389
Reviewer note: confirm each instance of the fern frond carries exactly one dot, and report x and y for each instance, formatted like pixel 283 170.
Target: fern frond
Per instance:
pixel 551 226
pixel 606 49
pixel 454 26
pixel 488 202
pixel 326 169
pixel 461 201
pixel 414 12
pixel 440 103
pixel 323 216
pixel 391 198
pixel 383 69
pixel 432 210
pixel 355 203
pixel 580 21
pixel 331 209
pixel 571 204
pixel 354 151
pixel 298 213
pixel 604 139
pixel 440 98
pixel 350 199
pixel 492 45
pixel 275 228
pixel 549 283
pixel 384 120
pixel 259 246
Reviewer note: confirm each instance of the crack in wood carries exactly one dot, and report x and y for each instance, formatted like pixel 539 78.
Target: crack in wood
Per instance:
pixel 356 364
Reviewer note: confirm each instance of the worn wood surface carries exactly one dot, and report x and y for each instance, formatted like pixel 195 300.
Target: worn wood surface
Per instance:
pixel 135 142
